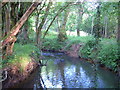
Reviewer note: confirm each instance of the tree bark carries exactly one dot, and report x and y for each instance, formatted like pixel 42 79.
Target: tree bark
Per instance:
pixel 13 14
pixel 11 36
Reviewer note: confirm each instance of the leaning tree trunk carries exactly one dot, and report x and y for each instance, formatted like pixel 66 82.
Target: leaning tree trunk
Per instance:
pixel 10 38
pixel 59 11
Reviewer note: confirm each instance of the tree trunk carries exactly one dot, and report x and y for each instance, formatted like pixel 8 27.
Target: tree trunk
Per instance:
pixel 3 21
pixel 79 18
pixel 7 19
pixel 25 33
pixel 62 36
pixel 106 25
pixel 38 34
pixel 92 25
pixel 97 23
pixel 19 24
pixel 13 14
pixel 10 38
pixel 59 11
pixel 1 26
pixel 36 26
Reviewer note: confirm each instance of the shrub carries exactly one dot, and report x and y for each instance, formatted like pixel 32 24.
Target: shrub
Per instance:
pixel 108 54
pixel 90 49
pixel 52 44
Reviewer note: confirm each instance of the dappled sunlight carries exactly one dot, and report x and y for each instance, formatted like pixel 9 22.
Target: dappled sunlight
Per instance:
pixel 24 61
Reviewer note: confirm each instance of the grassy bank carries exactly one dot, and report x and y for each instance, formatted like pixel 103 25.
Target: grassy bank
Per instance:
pixel 19 65
pixel 21 56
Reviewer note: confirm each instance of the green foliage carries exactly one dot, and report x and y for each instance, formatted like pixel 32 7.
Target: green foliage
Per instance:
pixel 52 44
pixel 76 40
pixel 89 50
pixel 106 52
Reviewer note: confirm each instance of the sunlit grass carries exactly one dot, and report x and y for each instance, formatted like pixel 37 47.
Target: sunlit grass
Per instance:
pixel 21 56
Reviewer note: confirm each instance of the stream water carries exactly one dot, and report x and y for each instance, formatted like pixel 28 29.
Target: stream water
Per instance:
pixel 63 71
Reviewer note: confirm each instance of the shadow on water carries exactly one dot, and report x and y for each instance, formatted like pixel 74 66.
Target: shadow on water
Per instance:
pixel 66 72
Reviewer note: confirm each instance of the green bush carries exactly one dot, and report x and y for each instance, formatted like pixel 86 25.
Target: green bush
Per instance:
pixel 108 54
pixel 52 44
pixel 90 49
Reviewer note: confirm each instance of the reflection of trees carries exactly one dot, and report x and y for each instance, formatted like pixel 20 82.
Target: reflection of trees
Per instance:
pixel 61 66
pixel 90 72
pixel 47 73
pixel 40 82
pixel 78 74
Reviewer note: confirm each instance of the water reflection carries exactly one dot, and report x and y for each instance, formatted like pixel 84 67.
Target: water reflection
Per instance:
pixel 65 72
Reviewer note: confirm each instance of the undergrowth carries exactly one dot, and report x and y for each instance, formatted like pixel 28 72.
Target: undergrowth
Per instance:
pixel 105 52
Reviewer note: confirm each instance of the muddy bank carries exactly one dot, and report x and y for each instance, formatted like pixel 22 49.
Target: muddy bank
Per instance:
pixel 74 49
pixel 15 75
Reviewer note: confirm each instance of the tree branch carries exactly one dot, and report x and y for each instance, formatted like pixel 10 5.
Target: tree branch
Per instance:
pixel 59 11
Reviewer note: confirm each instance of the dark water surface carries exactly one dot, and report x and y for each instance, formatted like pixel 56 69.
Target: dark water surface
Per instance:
pixel 66 72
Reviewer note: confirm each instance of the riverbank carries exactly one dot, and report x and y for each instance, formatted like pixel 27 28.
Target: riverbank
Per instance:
pixel 105 53
pixel 63 71
pixel 20 65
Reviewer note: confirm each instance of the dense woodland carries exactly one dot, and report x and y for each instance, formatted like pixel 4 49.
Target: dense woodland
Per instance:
pixel 28 28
